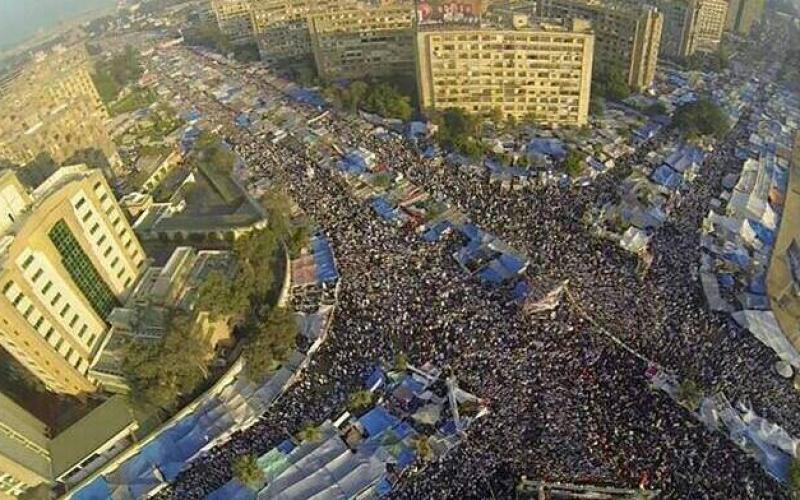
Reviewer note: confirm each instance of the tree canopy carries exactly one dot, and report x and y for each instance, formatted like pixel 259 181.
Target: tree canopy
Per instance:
pixel 270 344
pixel 359 401
pixel 245 468
pixel 374 97
pixel 160 372
pixel 610 81
pixel 459 130
pixel 702 117
pixel 112 75
pixel 574 163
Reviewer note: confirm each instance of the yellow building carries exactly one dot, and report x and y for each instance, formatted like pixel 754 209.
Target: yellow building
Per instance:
pixel 627 34
pixel 281 26
pixel 67 257
pixel 52 106
pixel 743 14
pixel 355 43
pixel 705 22
pixel 234 19
pixel 541 70
pixel 30 457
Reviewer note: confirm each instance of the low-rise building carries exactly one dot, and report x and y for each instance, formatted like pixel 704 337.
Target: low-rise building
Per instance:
pixel 30 457
pixel 162 293
pixel 541 70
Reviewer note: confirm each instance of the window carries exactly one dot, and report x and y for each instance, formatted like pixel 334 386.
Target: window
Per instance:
pixel 49 335
pixel 28 261
pixel 80 203
pixel 108 251
pixel 94 228
pixel 114 262
pixel 73 321
pixel 37 275
pixel 87 216
pixel 7 287
pixel 38 323
pixel 56 299
pixel 83 331
pixel 58 345
pixel 64 310
pixel 81 269
pixel 97 185
pixel 47 287
pixel 101 240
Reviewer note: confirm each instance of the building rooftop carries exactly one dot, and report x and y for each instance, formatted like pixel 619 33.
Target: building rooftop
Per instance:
pixel 90 433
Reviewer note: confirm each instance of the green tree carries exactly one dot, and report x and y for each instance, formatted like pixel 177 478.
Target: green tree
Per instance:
pixel 496 116
pixel 358 91
pixel 597 106
pixel 159 373
pixel 655 109
pixel 400 362
pixel 423 448
pixel 254 252
pixel 245 468
pixel 574 163
pixel 611 81
pixel 703 118
pixel 299 239
pixel 279 210
pixel 359 401
pixel 270 344
pixel 310 433
pixel 794 478
pixel 221 296
pixel 689 394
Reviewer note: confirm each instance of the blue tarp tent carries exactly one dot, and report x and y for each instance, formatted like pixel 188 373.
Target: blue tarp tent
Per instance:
pixel 665 176
pixel 553 148
pixel 436 232
pixel 377 420
pixel 383 208
pixel 323 259
pixel 521 290
pixel 98 489
pixel 232 490
pixel 375 377
pixel 285 447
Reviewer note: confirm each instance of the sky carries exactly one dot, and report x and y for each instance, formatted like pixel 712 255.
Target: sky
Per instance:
pixel 21 19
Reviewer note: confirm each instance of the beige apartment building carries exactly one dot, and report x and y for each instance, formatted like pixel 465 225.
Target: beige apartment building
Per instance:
pixel 51 106
pixel 355 43
pixel 67 257
pixel 624 33
pixel 234 18
pixel 281 26
pixel 743 14
pixel 705 22
pixel 32 458
pixel 543 70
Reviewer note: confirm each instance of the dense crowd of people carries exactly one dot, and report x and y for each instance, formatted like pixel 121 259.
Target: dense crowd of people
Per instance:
pixel 566 403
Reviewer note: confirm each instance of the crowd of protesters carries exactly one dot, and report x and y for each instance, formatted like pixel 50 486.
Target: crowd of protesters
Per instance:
pixel 566 403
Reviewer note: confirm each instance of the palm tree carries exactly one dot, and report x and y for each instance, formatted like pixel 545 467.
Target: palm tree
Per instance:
pixel 359 400
pixel 246 470
pixel 689 394
pixel 423 448
pixel 310 433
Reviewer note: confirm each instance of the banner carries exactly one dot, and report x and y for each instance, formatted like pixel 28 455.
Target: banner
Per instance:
pixel 449 11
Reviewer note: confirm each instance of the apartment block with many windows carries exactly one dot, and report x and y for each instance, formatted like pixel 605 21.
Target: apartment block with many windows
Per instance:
pixel 234 19
pixel 624 33
pixel 355 43
pixel 543 71
pixel 705 23
pixel 67 257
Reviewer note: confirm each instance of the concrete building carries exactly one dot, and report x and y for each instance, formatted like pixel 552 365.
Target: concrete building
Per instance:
pixel 543 70
pixel 625 34
pixel 67 257
pixel 355 43
pixel 30 457
pixel 161 293
pixel 705 23
pixel 281 26
pixel 234 19
pixel 675 13
pixel 743 14
pixel 24 455
pixel 52 106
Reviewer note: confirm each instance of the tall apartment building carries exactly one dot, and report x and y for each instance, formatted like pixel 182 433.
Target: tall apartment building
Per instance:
pixel 361 42
pixel 281 26
pixel 544 70
pixel 627 34
pixel 234 18
pixel 743 14
pixel 675 13
pixel 52 106
pixel 67 257
pixel 705 23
